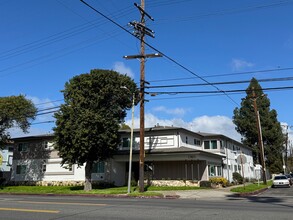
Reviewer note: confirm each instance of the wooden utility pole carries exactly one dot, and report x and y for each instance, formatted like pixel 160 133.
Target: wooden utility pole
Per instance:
pixel 260 140
pixel 140 30
pixel 142 84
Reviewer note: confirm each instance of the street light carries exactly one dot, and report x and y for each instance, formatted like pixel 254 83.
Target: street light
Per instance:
pixel 131 141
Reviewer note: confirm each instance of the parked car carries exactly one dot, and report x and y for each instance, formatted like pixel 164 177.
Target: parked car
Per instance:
pixel 281 181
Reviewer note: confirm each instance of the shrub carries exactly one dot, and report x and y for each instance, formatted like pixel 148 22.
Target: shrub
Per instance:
pixel 219 180
pixel 238 179
pixel 102 185
pixel 2 181
pixel 206 184
pixel 133 183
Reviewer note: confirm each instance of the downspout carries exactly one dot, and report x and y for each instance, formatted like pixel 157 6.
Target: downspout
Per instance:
pixel 228 172
pixel 178 135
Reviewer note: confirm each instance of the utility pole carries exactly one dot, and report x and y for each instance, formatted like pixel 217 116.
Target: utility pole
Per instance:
pixel 260 140
pixel 140 30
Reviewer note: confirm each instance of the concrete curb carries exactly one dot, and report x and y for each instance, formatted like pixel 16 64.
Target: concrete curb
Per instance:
pixel 247 194
pixel 92 195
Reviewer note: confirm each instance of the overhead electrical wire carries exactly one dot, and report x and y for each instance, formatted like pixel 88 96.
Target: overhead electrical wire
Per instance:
pixel 191 96
pixel 44 103
pixel 216 91
pixel 89 25
pixel 52 56
pixel 227 74
pixel 222 83
pixel 155 49
pixel 42 122
pixel 228 11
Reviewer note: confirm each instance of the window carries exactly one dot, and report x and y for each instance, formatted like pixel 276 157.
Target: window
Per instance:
pixel 219 170
pixel 210 144
pixel 22 147
pixel 45 144
pixel 206 145
pixel 125 142
pixel 212 170
pixel 239 167
pixel 9 162
pixel 215 170
pixel 10 149
pixel 186 140
pixel 222 144
pixel 235 168
pixel 44 168
pixel 99 167
pixel 20 169
pixel 213 144
pixel 196 142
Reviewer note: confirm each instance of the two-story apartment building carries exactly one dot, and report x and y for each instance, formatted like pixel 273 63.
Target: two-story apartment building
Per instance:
pixel 177 153
pixel 171 153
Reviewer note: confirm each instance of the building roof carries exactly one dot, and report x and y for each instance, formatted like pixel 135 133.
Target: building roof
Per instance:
pixel 147 130
pixel 34 137
pixel 178 150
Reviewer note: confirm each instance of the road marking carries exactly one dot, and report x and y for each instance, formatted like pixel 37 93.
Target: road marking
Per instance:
pixel 63 203
pixel 29 210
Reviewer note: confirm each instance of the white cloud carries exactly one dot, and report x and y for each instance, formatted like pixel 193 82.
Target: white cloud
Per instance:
pixel 215 124
pixel 175 111
pixel 239 64
pixel 121 68
pixel 208 124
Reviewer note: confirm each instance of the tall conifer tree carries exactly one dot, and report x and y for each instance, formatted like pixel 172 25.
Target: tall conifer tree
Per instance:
pixel 245 120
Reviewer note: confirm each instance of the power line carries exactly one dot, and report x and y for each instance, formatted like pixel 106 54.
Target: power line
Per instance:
pixel 160 52
pixel 193 96
pixel 45 113
pixel 53 38
pixel 43 103
pixel 46 109
pixel 217 91
pixel 228 11
pixel 46 58
pixel 42 122
pixel 227 74
pixel 222 83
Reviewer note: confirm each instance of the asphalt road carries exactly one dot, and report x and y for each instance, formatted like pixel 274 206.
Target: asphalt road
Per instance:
pixel 272 204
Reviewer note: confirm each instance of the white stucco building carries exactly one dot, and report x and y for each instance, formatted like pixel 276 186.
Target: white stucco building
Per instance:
pixel 171 153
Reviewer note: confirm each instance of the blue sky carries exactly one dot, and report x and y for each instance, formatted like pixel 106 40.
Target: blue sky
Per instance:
pixel 45 43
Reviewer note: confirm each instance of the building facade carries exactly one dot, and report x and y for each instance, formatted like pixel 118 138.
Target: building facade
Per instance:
pixel 6 155
pixel 171 153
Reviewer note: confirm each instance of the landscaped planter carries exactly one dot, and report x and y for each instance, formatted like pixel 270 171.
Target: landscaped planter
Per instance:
pixel 173 183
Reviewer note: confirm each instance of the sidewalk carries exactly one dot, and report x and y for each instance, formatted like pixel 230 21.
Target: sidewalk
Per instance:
pixel 206 194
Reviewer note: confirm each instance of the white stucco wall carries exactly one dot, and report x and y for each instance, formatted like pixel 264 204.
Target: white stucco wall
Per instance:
pixel 5 154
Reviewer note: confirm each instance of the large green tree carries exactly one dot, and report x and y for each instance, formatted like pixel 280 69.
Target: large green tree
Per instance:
pixel 88 122
pixel 15 111
pixel 245 120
